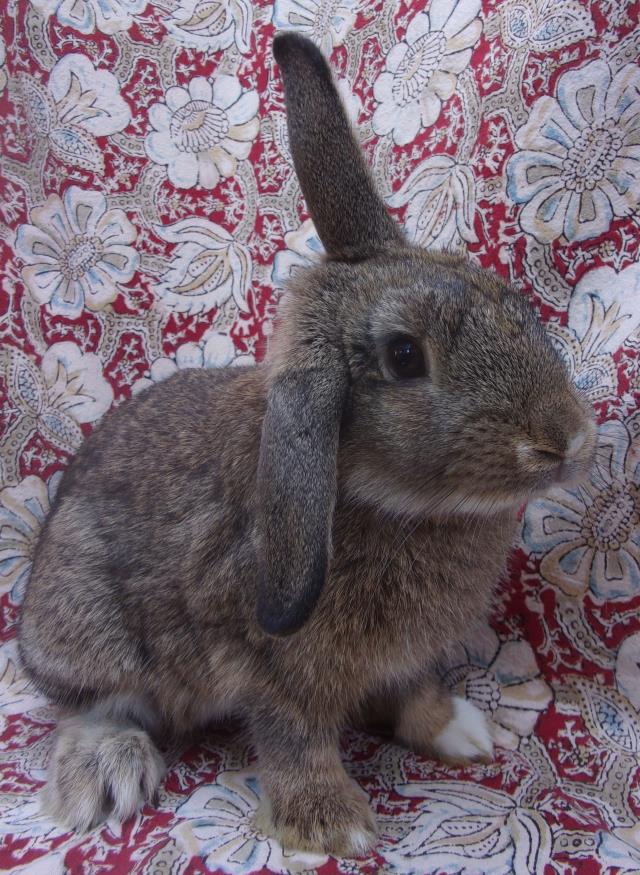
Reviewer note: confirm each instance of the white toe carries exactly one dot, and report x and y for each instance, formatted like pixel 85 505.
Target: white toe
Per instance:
pixel 360 841
pixel 466 736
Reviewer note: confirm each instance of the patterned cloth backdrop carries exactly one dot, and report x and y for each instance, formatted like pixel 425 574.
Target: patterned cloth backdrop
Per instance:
pixel 149 218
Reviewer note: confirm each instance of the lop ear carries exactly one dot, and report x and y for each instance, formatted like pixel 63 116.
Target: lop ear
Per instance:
pixel 297 483
pixel 348 213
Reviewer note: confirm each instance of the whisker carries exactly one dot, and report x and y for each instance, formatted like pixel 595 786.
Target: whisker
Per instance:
pixel 601 473
pixel 586 496
pixel 606 474
pixel 477 531
pixel 599 466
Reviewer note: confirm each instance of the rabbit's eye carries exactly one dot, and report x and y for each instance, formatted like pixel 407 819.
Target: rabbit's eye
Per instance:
pixel 405 359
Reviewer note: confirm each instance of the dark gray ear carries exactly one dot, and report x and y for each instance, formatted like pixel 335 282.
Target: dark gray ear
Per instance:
pixel 348 213
pixel 297 482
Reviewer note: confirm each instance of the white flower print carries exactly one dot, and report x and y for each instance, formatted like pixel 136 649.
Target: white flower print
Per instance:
pixel 218 824
pixel 628 669
pixel 608 716
pixel 544 25
pixel 108 16
pixel 603 315
pixel 202 131
pixel 76 252
pixel 503 680
pixel 23 510
pixel 3 70
pixel 17 693
pixel 212 25
pixel 422 70
pixel 216 350
pixel 590 540
pixel 207 267
pixel 87 97
pixel 80 104
pixel 75 383
pixel 461 825
pixel 303 249
pixel 350 100
pixel 326 22
pixel 579 161
pixel 67 390
pixel 619 849
pixel 23 817
pixel 442 203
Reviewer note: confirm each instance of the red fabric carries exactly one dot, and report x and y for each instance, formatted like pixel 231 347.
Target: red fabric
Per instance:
pixel 522 147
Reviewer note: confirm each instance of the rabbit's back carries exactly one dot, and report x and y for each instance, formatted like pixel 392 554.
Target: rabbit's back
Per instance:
pixel 149 541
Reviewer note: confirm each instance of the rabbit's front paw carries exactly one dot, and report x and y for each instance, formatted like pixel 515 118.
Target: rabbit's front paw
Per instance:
pixel 329 820
pixel 98 769
pixel 466 737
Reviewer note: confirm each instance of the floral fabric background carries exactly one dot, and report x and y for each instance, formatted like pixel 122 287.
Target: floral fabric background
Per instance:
pixel 149 218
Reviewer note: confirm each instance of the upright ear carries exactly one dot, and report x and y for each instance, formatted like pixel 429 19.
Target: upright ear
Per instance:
pixel 297 483
pixel 348 213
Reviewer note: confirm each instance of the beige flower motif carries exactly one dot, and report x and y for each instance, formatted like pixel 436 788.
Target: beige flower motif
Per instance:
pixel 589 539
pixel 3 69
pixel 80 103
pixel 441 195
pixel 578 166
pixel 603 316
pixel 503 680
pixel 544 25
pixel 68 389
pixel 23 510
pixel 207 267
pixel 212 25
pixel 628 669
pixel 422 70
pixel 215 350
pixel 87 16
pixel 217 823
pixel 466 828
pixel 76 252
pixel 302 249
pixel 326 22
pixel 202 131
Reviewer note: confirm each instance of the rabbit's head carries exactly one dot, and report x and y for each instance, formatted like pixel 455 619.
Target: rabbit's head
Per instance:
pixel 408 380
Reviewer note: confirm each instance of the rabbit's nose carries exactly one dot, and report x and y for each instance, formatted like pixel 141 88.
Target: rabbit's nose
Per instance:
pixel 576 443
pixel 578 455
pixel 582 443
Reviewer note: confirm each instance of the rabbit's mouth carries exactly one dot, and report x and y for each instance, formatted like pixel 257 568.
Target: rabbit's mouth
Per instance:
pixel 526 469
pixel 571 473
pixel 550 467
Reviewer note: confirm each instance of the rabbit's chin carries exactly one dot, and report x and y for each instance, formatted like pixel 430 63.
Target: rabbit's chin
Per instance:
pixel 564 475
pixel 397 500
pixel 381 490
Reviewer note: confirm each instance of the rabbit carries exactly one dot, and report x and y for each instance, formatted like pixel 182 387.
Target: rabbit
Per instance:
pixel 296 544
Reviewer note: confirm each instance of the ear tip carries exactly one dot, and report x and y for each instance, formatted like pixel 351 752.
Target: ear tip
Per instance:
pixel 289 47
pixel 278 622
pixel 283 610
pixel 288 43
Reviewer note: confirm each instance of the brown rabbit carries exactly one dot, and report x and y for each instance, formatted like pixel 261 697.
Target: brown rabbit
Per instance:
pixel 298 543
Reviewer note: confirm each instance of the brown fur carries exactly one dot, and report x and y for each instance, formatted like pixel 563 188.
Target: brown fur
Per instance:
pixel 218 492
